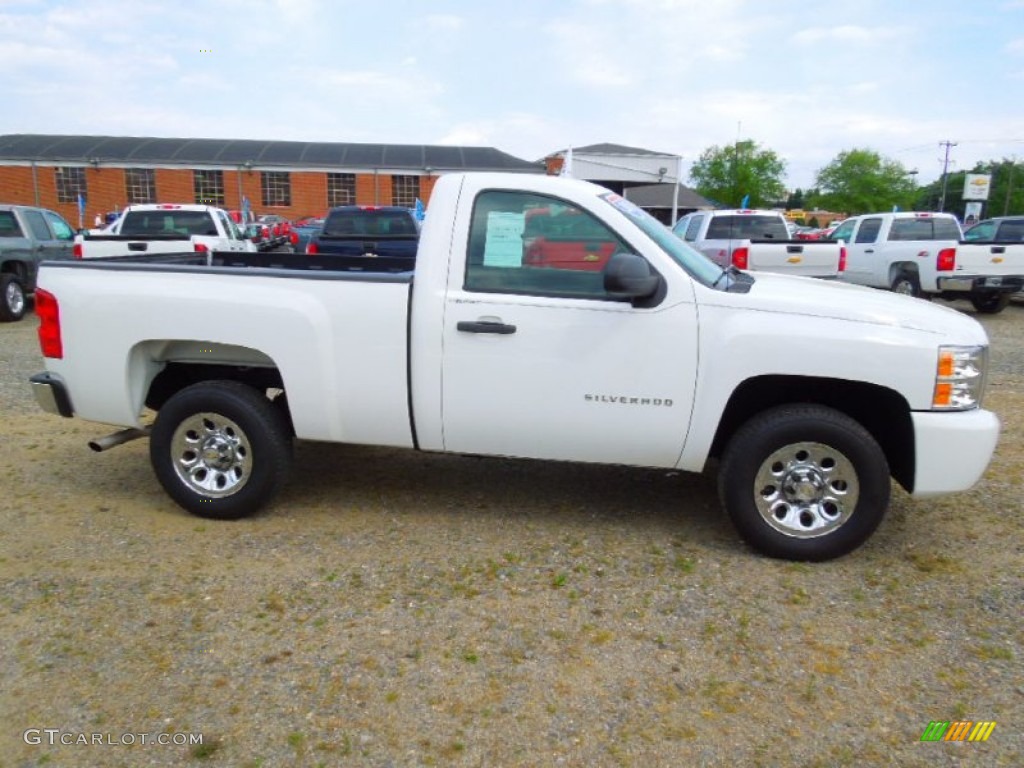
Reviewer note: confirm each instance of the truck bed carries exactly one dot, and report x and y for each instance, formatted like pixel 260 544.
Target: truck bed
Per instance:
pixel 234 260
pixel 276 311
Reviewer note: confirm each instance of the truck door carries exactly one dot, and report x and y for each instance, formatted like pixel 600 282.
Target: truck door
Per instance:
pixel 539 361
pixel 63 237
pixel 862 254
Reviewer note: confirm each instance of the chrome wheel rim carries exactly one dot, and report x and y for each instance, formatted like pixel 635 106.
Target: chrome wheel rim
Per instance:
pixel 904 287
pixel 211 455
pixel 15 298
pixel 806 490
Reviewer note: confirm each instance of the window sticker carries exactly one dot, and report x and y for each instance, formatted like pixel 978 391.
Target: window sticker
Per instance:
pixel 504 244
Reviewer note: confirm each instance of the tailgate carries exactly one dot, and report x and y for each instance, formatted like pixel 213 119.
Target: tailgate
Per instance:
pixel 990 259
pixel 798 257
pixel 99 247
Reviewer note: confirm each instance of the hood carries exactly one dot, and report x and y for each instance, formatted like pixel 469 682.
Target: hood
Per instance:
pixel 842 301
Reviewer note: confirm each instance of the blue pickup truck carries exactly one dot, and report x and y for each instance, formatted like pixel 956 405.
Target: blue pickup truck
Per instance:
pixel 388 233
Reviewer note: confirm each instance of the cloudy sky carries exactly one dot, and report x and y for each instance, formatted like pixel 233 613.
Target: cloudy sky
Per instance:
pixel 804 79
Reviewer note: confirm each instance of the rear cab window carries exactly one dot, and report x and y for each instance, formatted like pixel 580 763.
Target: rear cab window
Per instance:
pixel 924 228
pixel 168 222
pixel 747 227
pixel 370 222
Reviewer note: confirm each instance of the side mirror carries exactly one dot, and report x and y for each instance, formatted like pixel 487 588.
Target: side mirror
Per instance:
pixel 629 276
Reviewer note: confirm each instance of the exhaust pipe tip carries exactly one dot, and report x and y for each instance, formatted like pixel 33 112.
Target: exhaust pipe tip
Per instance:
pixel 115 439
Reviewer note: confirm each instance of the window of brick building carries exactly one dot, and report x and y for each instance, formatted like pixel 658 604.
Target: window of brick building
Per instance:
pixel 277 188
pixel 405 190
pixel 341 189
pixel 140 185
pixel 209 187
pixel 70 182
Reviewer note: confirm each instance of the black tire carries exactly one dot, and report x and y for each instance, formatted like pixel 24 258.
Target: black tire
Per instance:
pixel 990 303
pixel 220 449
pixel 804 482
pixel 12 298
pixel 907 284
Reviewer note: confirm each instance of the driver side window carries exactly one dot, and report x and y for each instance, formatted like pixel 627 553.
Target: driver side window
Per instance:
pixel 525 243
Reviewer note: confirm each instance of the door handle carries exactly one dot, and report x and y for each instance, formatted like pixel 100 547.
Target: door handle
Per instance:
pixel 869 250
pixel 484 326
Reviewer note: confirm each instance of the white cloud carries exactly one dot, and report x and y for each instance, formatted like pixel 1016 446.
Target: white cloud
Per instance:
pixel 848 33
pixel 440 22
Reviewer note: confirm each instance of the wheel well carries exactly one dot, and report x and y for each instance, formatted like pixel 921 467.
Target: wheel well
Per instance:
pixel 176 376
pixel 16 268
pixel 883 412
pixel 902 266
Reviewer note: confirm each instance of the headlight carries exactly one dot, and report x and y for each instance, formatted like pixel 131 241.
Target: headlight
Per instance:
pixel 960 378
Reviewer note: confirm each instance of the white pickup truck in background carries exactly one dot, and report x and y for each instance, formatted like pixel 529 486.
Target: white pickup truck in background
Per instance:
pixel 658 359
pixel 923 254
pixel 164 228
pixel 759 241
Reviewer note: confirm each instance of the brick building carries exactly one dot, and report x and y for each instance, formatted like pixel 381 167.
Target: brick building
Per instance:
pixel 290 178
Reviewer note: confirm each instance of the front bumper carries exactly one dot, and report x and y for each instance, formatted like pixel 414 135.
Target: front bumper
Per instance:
pixel 981 283
pixel 953 449
pixel 51 394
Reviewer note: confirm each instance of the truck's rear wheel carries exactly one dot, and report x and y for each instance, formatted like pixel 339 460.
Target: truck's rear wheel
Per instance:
pixel 12 307
pixel 804 482
pixel 220 449
pixel 907 283
pixel 990 303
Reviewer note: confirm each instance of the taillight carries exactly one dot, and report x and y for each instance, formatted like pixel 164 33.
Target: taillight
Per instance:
pixel 294 237
pixel 946 261
pixel 200 248
pixel 48 312
pixel 842 258
pixel 311 249
pixel 741 258
pixel 76 250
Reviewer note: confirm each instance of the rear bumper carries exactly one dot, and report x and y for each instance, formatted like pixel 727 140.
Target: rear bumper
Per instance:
pixel 952 450
pixel 51 394
pixel 981 283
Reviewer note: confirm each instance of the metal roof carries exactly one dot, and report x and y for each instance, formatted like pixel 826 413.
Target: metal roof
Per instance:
pixel 611 149
pixel 660 196
pixel 234 152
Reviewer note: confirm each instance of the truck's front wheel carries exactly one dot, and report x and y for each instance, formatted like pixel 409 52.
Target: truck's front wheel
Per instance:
pixel 804 482
pixel 220 449
pixel 990 303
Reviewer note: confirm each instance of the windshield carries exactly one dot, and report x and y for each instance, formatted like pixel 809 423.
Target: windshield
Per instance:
pixel 690 259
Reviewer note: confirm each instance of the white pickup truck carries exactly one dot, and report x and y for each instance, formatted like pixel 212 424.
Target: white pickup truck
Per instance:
pixel 660 359
pixel 759 241
pixel 923 254
pixel 164 228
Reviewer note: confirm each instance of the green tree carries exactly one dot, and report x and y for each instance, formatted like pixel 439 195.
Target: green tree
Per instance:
pixel 862 181
pixel 1006 190
pixel 795 200
pixel 728 174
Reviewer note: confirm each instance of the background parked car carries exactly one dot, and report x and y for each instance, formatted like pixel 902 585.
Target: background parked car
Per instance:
pixel 27 236
pixel 304 230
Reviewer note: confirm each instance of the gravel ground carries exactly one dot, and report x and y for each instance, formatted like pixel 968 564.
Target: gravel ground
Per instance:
pixel 403 609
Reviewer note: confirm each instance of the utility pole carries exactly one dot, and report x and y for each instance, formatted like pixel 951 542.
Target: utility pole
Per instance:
pixel 945 168
pixel 1009 187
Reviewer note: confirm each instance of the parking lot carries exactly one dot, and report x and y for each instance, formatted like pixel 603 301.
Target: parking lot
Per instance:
pixel 395 608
